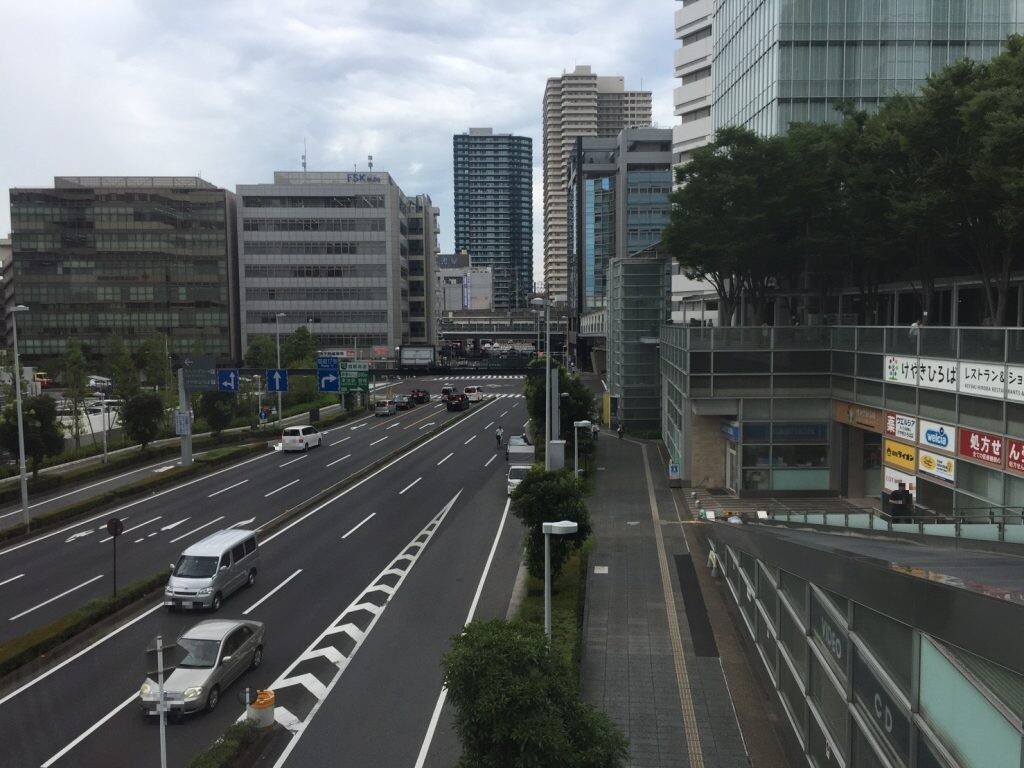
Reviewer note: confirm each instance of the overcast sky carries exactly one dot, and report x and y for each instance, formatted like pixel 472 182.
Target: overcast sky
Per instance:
pixel 228 89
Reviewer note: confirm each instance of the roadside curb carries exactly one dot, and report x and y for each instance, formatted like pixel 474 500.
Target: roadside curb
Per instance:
pixel 518 592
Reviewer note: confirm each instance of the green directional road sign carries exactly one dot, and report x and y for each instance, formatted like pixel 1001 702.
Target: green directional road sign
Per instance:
pixel 354 381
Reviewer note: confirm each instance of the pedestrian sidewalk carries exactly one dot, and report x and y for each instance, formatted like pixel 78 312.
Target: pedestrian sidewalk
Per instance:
pixel 650 659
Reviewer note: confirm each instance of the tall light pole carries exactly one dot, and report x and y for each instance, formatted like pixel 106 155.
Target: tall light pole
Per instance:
pixel 561 528
pixel 577 425
pixel 547 379
pixel 21 423
pixel 565 344
pixel 277 327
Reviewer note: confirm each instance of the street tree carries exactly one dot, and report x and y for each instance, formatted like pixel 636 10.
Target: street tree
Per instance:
pixel 43 434
pixel 262 353
pixel 548 497
pixel 123 373
pixel 299 349
pixel 517 705
pixel 76 383
pixel 217 410
pixel 143 417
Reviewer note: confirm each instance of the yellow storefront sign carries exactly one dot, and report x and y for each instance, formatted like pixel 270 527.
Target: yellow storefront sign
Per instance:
pixel 901 455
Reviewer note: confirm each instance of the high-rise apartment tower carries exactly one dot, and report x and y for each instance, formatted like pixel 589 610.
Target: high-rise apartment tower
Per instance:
pixel 578 104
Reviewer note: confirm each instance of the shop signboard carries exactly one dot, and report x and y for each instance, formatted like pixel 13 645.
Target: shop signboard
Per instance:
pixel 921 372
pixel 901 455
pixel 903 427
pixel 857 415
pixel 891 478
pixel 981 446
pixel 937 465
pixel 939 436
pixel 984 379
pixel 1015 383
pixel 1015 455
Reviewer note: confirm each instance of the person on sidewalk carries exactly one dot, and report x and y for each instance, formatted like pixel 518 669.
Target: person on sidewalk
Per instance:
pixel 622 430
pixel 901 502
pixel 595 430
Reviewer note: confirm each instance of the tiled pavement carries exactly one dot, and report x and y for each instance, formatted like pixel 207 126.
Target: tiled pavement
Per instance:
pixel 640 662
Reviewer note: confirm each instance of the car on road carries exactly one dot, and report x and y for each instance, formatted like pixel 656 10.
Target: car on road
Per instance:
pixel 515 476
pixel 457 402
pixel 474 393
pixel 42 378
pixel 385 408
pixel 100 382
pixel 447 391
pixel 404 403
pixel 420 396
pixel 213 568
pixel 214 653
pixel 519 449
pixel 300 438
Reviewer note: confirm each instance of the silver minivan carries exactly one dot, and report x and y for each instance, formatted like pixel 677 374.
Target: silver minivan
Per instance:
pixel 212 569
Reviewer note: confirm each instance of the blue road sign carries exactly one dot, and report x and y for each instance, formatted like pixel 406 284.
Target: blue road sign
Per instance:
pixel 327 380
pixel 277 379
pixel 327 363
pixel 227 379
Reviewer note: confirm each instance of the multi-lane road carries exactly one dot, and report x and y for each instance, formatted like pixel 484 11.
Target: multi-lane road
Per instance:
pixel 360 593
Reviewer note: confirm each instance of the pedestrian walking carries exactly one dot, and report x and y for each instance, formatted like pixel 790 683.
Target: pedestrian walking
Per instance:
pixel 622 430
pixel 595 430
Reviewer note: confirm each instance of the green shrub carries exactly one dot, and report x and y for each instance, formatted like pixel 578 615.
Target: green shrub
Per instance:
pixel 225 751
pixel 545 497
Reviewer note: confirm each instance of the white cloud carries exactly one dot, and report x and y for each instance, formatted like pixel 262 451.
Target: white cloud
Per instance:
pixel 231 88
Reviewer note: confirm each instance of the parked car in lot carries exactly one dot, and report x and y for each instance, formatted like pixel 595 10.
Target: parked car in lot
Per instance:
pixel 457 402
pixel 420 396
pixel 215 653
pixel 385 408
pixel 300 438
pixel 404 403
pixel 447 391
pixel 474 393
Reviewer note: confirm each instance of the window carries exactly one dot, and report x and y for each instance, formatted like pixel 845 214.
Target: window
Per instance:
pixel 225 560
pixel 238 552
pixel 891 643
pixel 250 546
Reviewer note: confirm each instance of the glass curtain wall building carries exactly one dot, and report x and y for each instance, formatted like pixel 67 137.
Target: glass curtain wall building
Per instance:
pixel 782 61
pixel 131 257
pixel 494 209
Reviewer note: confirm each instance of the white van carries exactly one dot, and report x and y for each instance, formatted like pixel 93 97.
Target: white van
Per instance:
pixel 300 438
pixel 473 393
pixel 515 476
pixel 212 569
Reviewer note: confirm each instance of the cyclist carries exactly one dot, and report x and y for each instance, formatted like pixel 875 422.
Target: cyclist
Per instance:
pixel 498 434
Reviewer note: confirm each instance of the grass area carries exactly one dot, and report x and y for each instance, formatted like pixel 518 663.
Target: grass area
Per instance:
pixel 567 598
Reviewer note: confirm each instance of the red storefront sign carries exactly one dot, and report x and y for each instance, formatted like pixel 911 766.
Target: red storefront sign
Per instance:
pixel 981 446
pixel 1015 455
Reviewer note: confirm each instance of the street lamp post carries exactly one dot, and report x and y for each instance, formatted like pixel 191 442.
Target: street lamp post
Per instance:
pixel 21 423
pixel 277 327
pixel 547 380
pixel 561 528
pixel 577 425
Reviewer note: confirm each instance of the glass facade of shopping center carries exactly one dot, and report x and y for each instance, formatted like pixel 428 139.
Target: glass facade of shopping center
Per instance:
pixel 783 61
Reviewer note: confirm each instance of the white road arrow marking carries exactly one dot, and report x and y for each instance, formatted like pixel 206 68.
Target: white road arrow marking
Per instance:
pixel 428 424
pixel 78 535
pixel 242 522
pixel 163 469
pixel 175 525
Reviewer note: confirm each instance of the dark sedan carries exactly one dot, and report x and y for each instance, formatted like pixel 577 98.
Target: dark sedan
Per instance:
pixel 404 402
pixel 420 396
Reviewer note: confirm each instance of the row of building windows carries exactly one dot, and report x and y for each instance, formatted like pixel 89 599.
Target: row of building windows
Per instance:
pixel 310 201
pixel 338 340
pixel 315 270
pixel 258 248
pixel 314 225
pixel 369 316
pixel 317 294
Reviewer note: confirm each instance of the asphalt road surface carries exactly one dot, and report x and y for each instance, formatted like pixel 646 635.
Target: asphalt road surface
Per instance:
pixel 384 573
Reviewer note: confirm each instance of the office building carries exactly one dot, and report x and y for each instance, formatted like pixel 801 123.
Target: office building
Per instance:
pixel 494 209
pixel 104 256
pixel 341 254
pixel 777 62
pixel 577 104
pixel 692 63
pixel 462 287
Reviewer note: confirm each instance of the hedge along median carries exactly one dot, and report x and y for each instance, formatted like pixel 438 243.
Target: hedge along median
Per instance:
pixel 34 644
pixel 201 465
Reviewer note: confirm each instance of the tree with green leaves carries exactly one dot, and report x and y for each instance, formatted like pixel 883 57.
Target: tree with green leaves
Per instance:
pixel 578 406
pixel 299 349
pixel 217 410
pixel 143 417
pixel 123 372
pixel 151 358
pixel 76 386
pixel 262 353
pixel 43 434
pixel 517 705
pixel 547 497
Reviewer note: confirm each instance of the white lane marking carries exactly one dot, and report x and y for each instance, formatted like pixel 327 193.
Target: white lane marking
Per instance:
pixel 204 525
pixel 489 423
pixel 133 528
pixel 339 442
pixel 175 525
pixel 78 535
pixel 242 522
pixel 379 441
pixel 218 493
pixel 55 597
pixel 428 424
pixel 410 485
pixel 503 413
pixel 357 426
pixel 107 513
pixel 490 460
pixel 338 461
pixel 269 594
pixel 292 461
pixel 396 424
pixel 151 535
pixel 402 564
pixel 287 485
pixel 471 439
pixel 85 734
pixel 358 525
pixel 139 541
pixel 439 405
pixel 442 461
pixel 158 470
pixel 436 716
pixel 13 578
